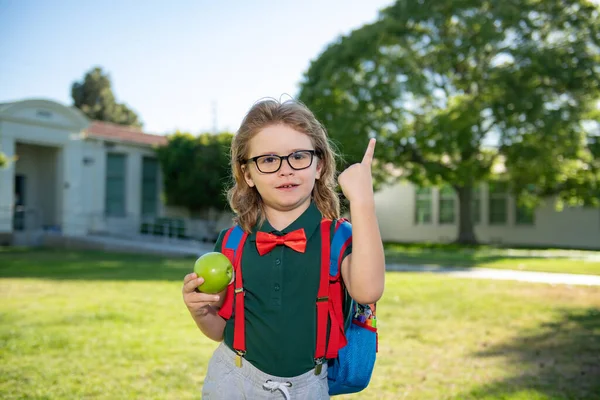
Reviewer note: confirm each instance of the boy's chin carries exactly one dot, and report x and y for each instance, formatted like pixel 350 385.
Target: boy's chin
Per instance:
pixel 289 203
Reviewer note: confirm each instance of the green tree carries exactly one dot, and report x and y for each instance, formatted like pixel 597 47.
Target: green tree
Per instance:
pixel 3 160
pixel 453 88
pixel 196 171
pixel 94 97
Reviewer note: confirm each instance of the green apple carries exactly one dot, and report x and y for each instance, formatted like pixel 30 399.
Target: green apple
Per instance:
pixel 217 271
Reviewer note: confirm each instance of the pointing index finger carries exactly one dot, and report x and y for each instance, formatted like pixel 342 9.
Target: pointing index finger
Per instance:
pixel 368 157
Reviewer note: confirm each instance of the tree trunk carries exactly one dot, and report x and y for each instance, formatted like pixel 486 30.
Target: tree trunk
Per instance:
pixel 466 233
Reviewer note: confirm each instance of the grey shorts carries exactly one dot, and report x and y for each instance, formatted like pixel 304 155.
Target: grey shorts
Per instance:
pixel 225 381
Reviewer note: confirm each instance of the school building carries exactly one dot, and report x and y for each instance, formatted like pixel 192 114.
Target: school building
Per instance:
pixel 72 177
pixel 407 213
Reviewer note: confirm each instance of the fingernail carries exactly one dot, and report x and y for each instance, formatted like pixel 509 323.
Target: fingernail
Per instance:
pixel 217 298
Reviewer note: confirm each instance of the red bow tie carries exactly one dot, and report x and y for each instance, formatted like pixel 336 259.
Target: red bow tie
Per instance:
pixel 296 240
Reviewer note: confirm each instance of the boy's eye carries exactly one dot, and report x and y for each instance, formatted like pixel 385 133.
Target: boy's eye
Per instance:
pixel 267 160
pixel 301 155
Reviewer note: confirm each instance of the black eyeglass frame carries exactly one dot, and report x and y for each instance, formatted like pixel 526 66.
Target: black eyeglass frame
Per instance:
pixel 281 158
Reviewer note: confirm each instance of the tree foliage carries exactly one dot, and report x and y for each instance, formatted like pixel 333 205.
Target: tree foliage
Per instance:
pixel 94 97
pixel 455 89
pixel 196 170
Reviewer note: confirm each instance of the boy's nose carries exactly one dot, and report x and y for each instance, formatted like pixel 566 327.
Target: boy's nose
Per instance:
pixel 286 169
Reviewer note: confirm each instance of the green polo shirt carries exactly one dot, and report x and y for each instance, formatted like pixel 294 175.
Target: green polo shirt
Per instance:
pixel 281 290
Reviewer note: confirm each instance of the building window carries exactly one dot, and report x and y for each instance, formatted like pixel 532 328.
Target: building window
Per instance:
pixel 149 186
pixel 524 215
pixel 498 203
pixel 447 202
pixel 115 185
pixel 476 205
pixel 423 206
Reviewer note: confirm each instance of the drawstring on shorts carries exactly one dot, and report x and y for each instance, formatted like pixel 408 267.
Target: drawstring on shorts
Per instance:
pixel 282 386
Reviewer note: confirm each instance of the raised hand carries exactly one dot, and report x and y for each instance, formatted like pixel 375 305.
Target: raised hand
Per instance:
pixel 356 181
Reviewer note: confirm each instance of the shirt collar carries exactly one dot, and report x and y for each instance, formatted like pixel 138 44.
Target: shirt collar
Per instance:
pixel 309 220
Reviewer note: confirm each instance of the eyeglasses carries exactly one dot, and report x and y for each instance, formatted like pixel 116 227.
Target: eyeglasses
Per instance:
pixel 271 163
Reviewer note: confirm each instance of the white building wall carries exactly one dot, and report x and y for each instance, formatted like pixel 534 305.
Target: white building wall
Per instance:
pixel 70 167
pixel 93 185
pixel 43 113
pixel 31 133
pixel 134 154
pixel 572 227
pixel 60 181
pixel 57 129
pixel 75 219
pixel 7 146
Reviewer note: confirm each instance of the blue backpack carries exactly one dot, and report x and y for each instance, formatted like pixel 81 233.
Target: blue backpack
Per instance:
pixel 346 331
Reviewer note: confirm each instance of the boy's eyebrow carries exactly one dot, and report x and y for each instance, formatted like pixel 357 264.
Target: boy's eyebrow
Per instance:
pixel 274 153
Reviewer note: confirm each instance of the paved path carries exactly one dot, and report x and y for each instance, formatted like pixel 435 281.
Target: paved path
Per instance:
pixel 502 274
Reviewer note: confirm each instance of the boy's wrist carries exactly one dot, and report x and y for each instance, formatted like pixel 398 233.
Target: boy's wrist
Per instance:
pixel 362 205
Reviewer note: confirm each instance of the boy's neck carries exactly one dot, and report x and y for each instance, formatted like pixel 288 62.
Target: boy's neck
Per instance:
pixel 281 219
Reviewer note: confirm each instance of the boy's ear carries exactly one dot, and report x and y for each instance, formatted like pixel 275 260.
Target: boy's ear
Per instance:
pixel 247 176
pixel 319 169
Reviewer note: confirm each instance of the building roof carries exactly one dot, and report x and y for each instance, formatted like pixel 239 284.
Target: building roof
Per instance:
pixel 95 129
pixel 120 133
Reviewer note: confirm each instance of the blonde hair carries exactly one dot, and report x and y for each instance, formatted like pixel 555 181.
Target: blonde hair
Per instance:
pixel 245 201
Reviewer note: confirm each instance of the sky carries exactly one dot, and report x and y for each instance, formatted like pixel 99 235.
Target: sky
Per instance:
pixel 180 65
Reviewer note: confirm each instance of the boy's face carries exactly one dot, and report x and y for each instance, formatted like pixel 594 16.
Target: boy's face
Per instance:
pixel 288 188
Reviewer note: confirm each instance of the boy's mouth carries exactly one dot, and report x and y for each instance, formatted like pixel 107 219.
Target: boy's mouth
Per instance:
pixel 287 186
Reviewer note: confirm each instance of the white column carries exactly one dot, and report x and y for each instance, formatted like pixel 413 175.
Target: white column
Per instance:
pixel 435 203
pixel 485 205
pixel 133 190
pixel 7 185
pixel 511 213
pixel 74 220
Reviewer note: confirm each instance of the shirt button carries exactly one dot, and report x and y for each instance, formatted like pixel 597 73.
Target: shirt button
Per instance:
pixel 277 261
pixel 276 287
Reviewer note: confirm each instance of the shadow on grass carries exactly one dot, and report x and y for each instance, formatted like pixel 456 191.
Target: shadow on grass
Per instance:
pixel 560 360
pixel 91 265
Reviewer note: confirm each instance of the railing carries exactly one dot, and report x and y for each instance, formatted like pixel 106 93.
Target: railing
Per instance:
pixel 164 229
pixel 130 226
pixel 21 218
pixel 26 224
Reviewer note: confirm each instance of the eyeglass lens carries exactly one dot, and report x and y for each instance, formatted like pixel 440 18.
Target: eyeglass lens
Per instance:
pixel 272 163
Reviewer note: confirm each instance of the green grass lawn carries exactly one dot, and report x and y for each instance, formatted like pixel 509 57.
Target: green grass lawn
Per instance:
pixel 548 260
pixel 107 326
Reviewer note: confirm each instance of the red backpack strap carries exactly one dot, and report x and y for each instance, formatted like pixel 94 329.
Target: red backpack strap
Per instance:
pixel 239 325
pixel 331 267
pixel 337 337
pixel 232 246
pixel 227 307
pixel 323 294
pixel 340 242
